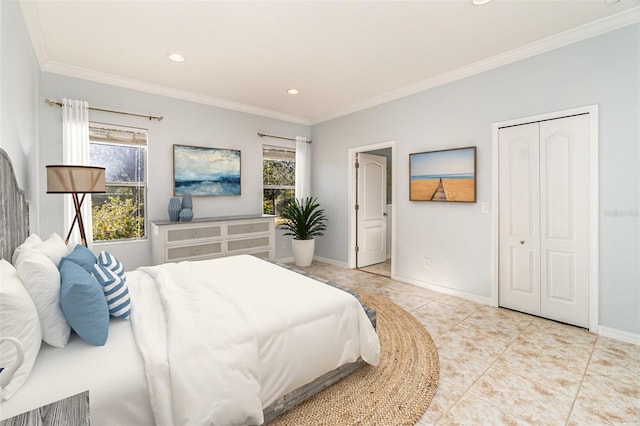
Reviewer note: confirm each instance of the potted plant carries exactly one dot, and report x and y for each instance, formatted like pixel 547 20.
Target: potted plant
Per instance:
pixel 304 220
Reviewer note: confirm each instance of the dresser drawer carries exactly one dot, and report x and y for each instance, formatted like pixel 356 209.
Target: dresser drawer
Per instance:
pixel 196 250
pixel 175 235
pixel 237 245
pixel 247 228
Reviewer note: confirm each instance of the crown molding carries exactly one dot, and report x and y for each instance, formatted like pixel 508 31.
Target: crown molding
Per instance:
pixel 142 86
pixel 32 23
pixel 592 29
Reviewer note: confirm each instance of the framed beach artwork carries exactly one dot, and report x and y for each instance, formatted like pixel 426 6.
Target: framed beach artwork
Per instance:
pixel 448 175
pixel 199 170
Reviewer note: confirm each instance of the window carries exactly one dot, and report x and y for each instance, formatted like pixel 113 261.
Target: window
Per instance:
pixel 119 214
pixel 278 178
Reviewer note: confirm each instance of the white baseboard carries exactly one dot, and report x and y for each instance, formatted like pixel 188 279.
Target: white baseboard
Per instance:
pixel 623 336
pixel 461 294
pixel 331 262
pixel 319 259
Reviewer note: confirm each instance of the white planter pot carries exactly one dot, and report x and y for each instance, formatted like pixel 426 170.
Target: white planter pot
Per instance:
pixel 303 251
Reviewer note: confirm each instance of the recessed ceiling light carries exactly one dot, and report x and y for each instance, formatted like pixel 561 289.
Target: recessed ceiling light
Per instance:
pixel 293 91
pixel 176 57
pixel 480 2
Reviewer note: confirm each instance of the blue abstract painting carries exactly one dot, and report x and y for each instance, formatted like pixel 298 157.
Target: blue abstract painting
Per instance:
pixel 199 170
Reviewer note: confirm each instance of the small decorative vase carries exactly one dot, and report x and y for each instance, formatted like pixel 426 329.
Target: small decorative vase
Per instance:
pixel 187 201
pixel 174 209
pixel 186 215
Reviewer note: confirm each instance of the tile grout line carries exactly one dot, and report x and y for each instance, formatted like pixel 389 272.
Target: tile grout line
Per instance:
pixel 586 367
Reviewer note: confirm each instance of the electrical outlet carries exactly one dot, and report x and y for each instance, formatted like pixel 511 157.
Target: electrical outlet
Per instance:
pixel 427 263
pixel 485 207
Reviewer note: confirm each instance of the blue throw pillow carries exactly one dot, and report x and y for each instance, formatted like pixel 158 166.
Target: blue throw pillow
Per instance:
pixel 109 261
pixel 83 303
pixel 81 256
pixel 115 291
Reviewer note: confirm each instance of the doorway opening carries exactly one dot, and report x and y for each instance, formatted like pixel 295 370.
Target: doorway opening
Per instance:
pixel 371 209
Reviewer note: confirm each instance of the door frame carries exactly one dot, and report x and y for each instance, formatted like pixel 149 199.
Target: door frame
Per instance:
pixel 351 184
pixel 594 251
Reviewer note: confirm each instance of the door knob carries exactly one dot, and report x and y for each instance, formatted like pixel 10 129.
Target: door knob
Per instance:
pixel 521 242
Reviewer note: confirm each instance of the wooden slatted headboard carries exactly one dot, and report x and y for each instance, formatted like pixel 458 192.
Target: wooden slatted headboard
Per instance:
pixel 14 210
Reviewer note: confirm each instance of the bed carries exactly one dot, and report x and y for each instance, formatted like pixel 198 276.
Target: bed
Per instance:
pixel 234 340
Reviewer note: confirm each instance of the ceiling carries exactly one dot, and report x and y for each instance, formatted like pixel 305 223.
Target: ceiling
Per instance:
pixel 342 56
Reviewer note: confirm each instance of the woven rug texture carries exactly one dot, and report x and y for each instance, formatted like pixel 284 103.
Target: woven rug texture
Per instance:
pixel 396 392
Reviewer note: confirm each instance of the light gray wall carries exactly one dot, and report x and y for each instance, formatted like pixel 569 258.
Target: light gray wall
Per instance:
pixel 184 123
pixel 19 72
pixel 604 70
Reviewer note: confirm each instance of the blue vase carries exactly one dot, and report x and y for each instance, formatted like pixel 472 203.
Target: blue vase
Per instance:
pixel 174 209
pixel 187 201
pixel 186 215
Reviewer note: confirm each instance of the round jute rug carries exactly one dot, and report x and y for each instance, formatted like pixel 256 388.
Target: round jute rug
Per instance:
pixel 396 392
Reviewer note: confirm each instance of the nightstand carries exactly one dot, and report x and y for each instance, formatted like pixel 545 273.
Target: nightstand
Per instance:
pixel 71 411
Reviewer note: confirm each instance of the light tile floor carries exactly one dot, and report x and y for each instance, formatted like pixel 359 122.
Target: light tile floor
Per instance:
pixel 503 367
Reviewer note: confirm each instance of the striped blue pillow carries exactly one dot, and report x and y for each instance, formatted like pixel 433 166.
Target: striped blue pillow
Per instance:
pixel 109 261
pixel 115 290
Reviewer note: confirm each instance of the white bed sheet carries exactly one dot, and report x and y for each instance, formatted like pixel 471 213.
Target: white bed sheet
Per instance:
pixel 113 374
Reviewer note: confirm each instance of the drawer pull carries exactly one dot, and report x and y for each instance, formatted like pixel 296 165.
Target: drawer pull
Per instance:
pixel 195 234
pixel 251 229
pixel 195 251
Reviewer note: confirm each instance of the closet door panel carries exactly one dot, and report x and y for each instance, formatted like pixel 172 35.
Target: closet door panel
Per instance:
pixel 564 219
pixel 519 273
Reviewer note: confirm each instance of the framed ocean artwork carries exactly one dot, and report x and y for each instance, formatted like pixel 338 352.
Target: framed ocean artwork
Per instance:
pixel 202 171
pixel 448 175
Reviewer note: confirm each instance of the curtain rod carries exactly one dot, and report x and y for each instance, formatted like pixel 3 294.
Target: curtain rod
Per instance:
pixel 262 135
pixel 150 117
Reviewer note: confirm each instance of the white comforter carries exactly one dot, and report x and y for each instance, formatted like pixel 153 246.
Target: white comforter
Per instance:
pixel 222 339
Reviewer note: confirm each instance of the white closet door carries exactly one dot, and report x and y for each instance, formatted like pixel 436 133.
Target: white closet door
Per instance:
pixel 544 219
pixel 564 221
pixel 519 266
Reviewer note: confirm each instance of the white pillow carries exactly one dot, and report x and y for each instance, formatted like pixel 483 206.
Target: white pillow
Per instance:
pixel 53 247
pixel 18 319
pixel 32 241
pixel 41 278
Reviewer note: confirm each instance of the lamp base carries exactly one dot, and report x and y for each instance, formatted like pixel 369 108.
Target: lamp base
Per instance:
pixel 78 218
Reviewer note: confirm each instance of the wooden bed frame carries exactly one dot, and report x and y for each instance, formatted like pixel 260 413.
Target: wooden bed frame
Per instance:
pixel 14 221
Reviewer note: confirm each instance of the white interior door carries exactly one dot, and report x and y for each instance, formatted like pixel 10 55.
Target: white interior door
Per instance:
pixel 519 266
pixel 544 228
pixel 372 205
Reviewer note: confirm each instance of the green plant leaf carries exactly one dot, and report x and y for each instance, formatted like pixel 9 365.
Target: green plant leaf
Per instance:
pixel 304 219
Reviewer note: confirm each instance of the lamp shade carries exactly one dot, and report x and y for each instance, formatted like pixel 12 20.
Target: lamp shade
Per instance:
pixel 75 179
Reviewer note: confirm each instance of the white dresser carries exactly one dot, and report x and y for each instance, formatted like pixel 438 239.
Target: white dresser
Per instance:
pixel 206 238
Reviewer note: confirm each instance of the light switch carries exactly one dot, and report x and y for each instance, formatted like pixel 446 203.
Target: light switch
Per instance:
pixel 485 207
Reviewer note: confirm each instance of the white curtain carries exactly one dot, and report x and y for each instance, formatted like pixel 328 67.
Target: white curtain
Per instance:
pixel 303 168
pixel 75 151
